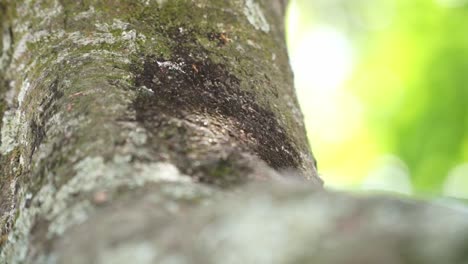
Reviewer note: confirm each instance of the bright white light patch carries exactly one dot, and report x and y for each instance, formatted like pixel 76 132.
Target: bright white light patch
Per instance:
pixel 390 174
pixel 323 58
pixel 322 61
pixel 293 21
pixel 456 184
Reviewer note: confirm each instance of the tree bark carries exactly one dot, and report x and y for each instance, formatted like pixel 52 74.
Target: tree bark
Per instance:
pixel 129 126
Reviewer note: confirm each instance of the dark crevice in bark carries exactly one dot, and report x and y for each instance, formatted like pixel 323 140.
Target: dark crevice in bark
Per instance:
pixel 190 83
pixel 5 58
pixel 6 172
pixel 48 107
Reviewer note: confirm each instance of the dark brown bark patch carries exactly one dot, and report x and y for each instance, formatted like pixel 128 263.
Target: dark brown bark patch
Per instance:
pixel 191 83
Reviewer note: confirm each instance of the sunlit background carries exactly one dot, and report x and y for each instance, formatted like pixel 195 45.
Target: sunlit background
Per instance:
pixel 383 85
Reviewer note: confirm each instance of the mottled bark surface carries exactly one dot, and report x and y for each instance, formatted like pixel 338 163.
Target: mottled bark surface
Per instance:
pixel 102 95
pixel 128 127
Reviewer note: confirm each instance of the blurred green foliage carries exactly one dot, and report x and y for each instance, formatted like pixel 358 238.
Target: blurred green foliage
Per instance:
pixel 410 79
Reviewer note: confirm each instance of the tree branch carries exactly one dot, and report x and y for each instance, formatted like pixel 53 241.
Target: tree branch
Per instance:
pixel 129 127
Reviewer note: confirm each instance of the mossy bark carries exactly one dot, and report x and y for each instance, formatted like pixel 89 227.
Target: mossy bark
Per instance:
pixel 101 96
pixel 128 126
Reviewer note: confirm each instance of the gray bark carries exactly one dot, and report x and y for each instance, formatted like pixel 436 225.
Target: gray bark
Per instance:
pixel 131 129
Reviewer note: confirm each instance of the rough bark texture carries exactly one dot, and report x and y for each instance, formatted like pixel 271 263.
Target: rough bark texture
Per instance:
pixel 128 127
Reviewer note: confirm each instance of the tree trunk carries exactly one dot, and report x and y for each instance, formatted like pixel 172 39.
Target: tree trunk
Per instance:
pixel 128 126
